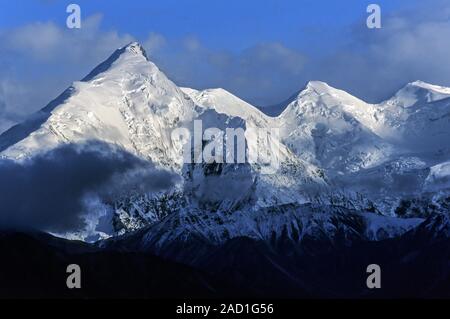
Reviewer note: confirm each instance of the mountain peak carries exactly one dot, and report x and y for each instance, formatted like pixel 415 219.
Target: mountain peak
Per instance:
pixel 225 102
pixel 136 48
pixel 132 50
pixel 112 104
pixel 418 92
pixel 318 85
pixel 317 94
pixel 419 83
pixel 276 110
pixel 423 86
pixel 428 86
pixel 321 88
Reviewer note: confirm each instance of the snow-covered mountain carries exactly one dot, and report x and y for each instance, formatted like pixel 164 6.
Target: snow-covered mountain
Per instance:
pixel 333 150
pixel 126 101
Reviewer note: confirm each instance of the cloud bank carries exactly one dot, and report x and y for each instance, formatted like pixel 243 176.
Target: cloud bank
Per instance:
pixel 47 192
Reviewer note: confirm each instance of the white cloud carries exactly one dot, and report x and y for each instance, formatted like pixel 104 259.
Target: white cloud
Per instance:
pixel 154 42
pixel 48 41
pixel 411 45
pixel 192 44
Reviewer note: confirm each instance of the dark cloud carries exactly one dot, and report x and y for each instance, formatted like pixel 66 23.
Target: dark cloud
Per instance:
pixel 46 192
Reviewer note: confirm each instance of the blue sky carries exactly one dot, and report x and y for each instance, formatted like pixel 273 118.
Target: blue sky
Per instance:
pixel 220 24
pixel 262 51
